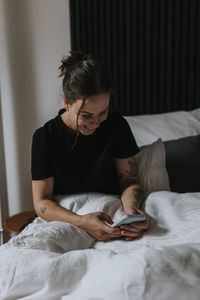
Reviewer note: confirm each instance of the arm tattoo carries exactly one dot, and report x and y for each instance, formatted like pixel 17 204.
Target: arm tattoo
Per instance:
pixel 139 195
pixel 43 209
pixel 133 171
pixel 129 177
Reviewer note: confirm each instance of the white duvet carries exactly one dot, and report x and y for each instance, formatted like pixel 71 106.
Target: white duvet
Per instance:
pixel 55 260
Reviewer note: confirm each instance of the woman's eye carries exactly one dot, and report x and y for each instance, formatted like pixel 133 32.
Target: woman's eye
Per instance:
pixel 86 116
pixel 105 112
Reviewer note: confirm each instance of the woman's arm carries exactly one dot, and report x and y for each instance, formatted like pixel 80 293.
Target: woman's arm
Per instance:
pixel 132 195
pixel 48 209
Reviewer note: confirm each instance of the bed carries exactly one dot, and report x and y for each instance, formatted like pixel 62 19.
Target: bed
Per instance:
pixel 55 260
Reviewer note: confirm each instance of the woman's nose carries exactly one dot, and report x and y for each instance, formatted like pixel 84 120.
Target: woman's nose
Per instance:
pixel 95 123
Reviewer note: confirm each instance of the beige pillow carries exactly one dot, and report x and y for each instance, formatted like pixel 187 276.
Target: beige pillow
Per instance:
pixel 151 164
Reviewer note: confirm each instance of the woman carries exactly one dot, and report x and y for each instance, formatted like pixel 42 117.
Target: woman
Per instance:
pixel 87 147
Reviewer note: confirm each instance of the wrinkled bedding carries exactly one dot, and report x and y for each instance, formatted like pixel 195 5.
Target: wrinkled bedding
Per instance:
pixel 56 260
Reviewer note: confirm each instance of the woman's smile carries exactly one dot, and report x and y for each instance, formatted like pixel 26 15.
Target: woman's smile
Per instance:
pixel 90 130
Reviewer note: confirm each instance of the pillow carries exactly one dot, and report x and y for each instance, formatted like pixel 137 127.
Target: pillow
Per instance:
pixel 183 164
pixel 196 113
pixel 173 125
pixel 151 168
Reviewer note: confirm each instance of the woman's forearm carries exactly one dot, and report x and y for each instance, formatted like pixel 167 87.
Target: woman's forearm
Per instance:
pixel 132 196
pixel 49 210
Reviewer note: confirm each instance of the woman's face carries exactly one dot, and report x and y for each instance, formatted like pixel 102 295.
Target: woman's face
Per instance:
pixel 91 115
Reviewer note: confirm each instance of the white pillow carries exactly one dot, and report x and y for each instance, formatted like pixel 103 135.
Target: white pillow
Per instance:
pixel 196 113
pixel 151 164
pixel 168 126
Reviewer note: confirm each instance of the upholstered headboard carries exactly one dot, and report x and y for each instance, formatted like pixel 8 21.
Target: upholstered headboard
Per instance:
pixel 151 49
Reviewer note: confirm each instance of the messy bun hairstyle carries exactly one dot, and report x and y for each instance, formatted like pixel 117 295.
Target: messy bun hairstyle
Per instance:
pixel 83 76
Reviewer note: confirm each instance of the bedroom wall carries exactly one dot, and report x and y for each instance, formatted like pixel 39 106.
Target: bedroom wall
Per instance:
pixel 35 35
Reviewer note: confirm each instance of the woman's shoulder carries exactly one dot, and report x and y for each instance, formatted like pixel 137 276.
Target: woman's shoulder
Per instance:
pixel 49 129
pixel 116 117
pixel 113 112
pixel 119 123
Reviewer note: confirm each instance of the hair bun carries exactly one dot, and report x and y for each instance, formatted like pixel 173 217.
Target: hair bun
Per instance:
pixel 70 61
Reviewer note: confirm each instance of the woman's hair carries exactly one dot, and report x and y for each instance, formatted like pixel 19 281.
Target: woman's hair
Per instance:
pixel 83 76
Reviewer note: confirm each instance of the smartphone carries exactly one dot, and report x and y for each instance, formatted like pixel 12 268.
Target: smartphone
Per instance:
pixel 128 219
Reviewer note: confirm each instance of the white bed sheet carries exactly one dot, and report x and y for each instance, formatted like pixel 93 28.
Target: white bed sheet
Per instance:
pixel 163 264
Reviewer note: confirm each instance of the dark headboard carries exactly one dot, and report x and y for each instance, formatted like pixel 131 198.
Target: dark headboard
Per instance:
pixel 151 48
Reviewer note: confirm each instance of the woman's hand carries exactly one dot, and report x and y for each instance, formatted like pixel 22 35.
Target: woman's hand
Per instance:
pixel 93 224
pixel 134 230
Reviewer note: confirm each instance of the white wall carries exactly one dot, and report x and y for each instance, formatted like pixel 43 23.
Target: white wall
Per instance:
pixel 35 35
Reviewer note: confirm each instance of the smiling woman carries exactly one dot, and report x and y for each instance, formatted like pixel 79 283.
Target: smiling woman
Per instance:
pixel 87 147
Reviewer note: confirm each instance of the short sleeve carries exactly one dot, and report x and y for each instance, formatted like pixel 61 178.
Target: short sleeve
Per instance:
pixel 41 166
pixel 124 143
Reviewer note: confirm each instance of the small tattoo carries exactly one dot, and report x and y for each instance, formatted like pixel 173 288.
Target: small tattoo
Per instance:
pixel 133 170
pixel 56 204
pixel 129 177
pixel 43 209
pixel 139 195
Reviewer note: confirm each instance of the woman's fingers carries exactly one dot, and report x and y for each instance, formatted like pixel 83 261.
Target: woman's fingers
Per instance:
pixel 140 211
pixel 105 217
pixel 140 225
pixel 130 228
pixel 130 233
pixel 136 226
pixel 128 238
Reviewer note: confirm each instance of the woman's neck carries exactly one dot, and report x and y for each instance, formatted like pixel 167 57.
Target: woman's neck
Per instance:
pixel 67 120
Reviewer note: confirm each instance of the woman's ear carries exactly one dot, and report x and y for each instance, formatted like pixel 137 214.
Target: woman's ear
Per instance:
pixel 66 104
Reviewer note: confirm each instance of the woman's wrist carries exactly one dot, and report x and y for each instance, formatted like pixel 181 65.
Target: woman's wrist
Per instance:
pixel 129 203
pixel 75 219
pixel 130 209
pixel 132 196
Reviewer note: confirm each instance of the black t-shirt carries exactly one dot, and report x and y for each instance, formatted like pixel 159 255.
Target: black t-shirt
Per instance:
pixel 89 166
